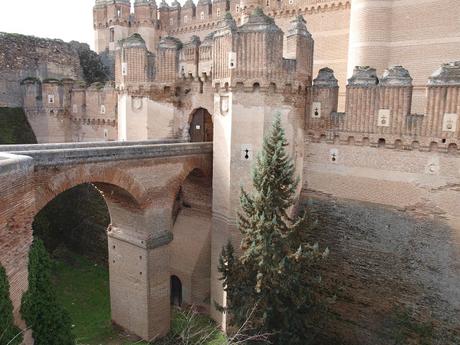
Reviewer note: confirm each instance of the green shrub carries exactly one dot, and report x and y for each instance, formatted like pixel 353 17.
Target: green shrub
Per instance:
pixel 9 333
pixel 50 324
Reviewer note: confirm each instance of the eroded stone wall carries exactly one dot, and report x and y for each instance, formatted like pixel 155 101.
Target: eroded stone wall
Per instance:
pixel 26 56
pixel 392 226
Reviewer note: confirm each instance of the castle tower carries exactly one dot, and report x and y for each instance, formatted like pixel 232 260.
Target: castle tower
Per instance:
pixel 168 60
pixel 362 101
pixel 395 100
pixel 248 6
pixel 175 14
pixel 145 20
pixel 325 96
pixel 118 17
pixel 443 104
pixel 203 10
pixel 132 62
pixel 252 83
pixel 219 7
pixel 188 13
pixel 101 34
pixel 370 30
pixel 163 15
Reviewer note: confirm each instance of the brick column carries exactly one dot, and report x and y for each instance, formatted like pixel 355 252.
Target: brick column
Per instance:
pixel 138 241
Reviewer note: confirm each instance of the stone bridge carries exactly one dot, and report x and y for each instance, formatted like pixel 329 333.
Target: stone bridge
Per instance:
pixel 139 182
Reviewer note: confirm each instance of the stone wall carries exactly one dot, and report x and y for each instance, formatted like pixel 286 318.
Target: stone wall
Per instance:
pixel 392 225
pixel 26 56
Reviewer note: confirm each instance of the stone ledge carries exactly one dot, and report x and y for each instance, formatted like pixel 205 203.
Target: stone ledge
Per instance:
pixel 84 155
pixel 12 163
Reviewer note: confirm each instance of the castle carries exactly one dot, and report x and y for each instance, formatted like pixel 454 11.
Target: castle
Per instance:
pixel 374 143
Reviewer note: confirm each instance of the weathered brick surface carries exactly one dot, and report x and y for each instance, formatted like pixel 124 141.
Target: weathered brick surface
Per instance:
pixel 26 56
pixel 393 228
pixel 140 194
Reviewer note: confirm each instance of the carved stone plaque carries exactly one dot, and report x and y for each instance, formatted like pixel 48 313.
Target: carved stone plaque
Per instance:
pixel 449 123
pixel 316 110
pixel 224 105
pixel 383 119
pixel 231 60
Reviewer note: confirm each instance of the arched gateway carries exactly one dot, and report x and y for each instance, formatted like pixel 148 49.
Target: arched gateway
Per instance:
pixel 139 186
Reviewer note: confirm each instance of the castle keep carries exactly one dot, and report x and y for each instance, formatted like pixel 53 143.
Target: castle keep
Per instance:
pixel 368 92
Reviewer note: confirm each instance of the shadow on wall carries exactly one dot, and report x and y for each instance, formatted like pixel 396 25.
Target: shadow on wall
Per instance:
pixel 14 127
pixel 395 275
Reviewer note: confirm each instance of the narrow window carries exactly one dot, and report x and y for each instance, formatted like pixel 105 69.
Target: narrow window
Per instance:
pixel 218 12
pixel 112 35
pixel 50 98
pixel 202 15
pixel 102 109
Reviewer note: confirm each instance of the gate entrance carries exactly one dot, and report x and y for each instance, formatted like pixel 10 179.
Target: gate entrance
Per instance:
pixel 201 126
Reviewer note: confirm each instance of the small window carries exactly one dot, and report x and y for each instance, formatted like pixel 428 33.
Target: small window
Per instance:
pixel 74 109
pixel 268 2
pixel 50 98
pixel 218 12
pixel 118 13
pixel 124 69
pixel 202 15
pixel 291 2
pixel 171 21
pixel 237 8
pixel 112 35
pixel 102 109
pixel 106 134
pixel 186 19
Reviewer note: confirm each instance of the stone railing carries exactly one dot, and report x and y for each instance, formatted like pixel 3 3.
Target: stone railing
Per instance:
pixel 62 154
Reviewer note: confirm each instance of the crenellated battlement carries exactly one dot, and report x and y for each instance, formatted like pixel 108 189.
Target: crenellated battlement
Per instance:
pixel 249 54
pixel 379 110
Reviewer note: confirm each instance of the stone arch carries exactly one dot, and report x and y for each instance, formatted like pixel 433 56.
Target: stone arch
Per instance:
pixel 191 245
pixel 56 184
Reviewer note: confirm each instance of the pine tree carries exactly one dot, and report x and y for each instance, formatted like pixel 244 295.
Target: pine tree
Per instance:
pixel 50 324
pixel 9 333
pixel 275 278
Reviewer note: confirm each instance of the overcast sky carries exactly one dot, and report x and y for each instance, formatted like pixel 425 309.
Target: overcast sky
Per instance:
pixel 65 19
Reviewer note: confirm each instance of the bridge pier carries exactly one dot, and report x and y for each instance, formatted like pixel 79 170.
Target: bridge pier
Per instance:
pixel 138 240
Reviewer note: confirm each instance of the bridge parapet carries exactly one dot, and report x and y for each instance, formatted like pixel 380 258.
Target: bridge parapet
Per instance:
pixel 52 155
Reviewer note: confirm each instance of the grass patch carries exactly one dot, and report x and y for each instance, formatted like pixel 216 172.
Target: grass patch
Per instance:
pixel 83 290
pixel 14 127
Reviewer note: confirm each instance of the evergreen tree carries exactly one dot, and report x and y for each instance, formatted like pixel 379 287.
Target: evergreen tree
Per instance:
pixel 9 333
pixel 275 279
pixel 50 324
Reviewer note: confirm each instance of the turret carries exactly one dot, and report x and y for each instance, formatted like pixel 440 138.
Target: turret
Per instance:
pixel 247 7
pixel 300 47
pixel 133 63
pixel 145 13
pixel 219 7
pixel 188 12
pixel 174 14
pixel 362 100
pixel 100 26
pixel 164 15
pixel 118 16
pixel 224 63
pixel 368 40
pixel 168 60
pixel 443 104
pixel 188 58
pixel 325 100
pixel 203 10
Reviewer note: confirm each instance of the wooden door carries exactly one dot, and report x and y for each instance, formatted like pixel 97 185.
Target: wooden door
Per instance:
pixel 201 128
